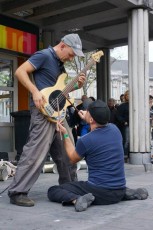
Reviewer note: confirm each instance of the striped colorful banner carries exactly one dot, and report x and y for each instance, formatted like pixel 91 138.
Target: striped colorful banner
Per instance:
pixel 17 40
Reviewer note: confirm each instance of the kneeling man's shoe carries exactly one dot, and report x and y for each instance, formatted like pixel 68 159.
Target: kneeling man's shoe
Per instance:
pixel 21 200
pixel 136 194
pixel 83 202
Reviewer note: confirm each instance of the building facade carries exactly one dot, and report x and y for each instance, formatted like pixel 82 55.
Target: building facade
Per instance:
pixel 119 81
pixel 18 40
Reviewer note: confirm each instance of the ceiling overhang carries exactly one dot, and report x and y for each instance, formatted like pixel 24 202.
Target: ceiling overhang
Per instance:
pixel 100 23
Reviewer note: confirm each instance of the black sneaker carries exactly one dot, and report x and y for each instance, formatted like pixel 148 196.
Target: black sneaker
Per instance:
pixel 83 202
pixel 21 200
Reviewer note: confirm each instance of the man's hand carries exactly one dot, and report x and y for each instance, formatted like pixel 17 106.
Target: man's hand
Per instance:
pixel 81 80
pixel 38 99
pixel 61 128
pixel 82 114
pixel 69 146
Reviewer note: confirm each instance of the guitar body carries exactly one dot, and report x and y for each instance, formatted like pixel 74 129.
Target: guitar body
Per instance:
pixel 55 98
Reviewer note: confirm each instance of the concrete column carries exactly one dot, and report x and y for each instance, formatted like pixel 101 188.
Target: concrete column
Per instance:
pixel 103 76
pixel 48 38
pixel 139 87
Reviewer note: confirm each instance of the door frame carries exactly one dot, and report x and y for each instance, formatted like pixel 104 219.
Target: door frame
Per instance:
pixel 9 126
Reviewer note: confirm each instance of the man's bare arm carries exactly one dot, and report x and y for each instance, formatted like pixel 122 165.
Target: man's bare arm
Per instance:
pixel 69 147
pixel 22 74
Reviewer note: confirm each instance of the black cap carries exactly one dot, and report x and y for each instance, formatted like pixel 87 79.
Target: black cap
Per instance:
pixel 99 112
pixel 86 103
pixel 150 97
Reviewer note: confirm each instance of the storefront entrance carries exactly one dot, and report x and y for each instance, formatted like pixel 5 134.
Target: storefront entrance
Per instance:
pixel 8 103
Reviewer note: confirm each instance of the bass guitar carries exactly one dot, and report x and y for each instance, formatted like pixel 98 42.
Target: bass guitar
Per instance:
pixel 55 107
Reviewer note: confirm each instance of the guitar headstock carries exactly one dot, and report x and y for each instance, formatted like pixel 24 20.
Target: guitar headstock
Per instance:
pixel 96 56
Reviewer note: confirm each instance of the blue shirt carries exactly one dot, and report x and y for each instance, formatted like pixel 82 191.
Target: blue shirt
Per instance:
pixel 103 151
pixel 47 68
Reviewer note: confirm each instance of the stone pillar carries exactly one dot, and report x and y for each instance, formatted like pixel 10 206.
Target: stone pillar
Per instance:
pixel 139 86
pixel 103 76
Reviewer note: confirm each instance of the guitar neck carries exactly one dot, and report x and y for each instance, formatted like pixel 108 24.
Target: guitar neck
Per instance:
pixel 70 86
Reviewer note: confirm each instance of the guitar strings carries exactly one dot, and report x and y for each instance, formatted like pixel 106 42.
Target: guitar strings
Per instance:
pixel 70 86
pixel 62 94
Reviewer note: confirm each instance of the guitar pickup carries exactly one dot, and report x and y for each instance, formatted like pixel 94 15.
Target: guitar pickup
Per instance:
pixel 62 115
pixel 49 110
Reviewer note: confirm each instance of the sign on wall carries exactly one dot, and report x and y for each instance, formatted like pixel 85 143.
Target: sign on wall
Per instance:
pixel 17 40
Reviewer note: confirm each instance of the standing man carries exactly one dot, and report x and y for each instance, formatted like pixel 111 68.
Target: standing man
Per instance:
pixel 45 65
pixel 113 111
pixel 123 118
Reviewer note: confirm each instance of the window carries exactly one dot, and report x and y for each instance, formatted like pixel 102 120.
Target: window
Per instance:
pixel 6 89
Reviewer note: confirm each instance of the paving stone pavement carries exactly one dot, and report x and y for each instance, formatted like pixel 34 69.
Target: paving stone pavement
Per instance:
pixel 45 215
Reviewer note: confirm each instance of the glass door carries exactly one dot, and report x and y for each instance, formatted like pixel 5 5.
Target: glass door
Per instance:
pixel 8 102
